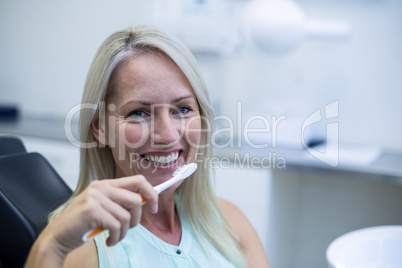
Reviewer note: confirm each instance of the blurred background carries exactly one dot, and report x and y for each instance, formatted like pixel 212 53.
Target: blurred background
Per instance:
pixel 276 58
pixel 47 48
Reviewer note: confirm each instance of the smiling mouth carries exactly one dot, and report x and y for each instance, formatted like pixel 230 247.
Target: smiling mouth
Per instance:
pixel 162 160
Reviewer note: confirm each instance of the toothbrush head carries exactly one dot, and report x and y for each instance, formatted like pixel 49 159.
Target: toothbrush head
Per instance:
pixel 186 170
pixel 180 174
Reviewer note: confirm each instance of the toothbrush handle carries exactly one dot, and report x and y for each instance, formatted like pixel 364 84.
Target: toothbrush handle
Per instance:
pixel 94 232
pixel 163 186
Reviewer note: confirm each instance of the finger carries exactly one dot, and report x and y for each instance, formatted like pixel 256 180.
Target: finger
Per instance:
pixel 109 222
pixel 120 213
pixel 139 185
pixel 119 191
pixel 97 216
pixel 125 206
pixel 130 201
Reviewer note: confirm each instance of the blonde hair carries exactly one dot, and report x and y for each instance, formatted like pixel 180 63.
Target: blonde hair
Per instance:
pixel 196 199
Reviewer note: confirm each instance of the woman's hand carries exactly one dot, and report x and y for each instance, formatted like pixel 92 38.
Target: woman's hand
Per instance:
pixel 114 204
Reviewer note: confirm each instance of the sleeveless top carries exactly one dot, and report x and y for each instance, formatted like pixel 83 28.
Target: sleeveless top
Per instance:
pixel 141 248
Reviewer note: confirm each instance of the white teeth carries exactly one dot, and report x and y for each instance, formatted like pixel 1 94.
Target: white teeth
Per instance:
pixel 162 160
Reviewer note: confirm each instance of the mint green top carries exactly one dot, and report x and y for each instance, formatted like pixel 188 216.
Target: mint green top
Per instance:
pixel 141 248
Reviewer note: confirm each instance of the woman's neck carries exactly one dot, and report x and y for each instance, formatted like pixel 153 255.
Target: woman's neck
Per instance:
pixel 166 223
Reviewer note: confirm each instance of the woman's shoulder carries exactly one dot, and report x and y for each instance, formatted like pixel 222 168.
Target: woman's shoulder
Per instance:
pixel 234 215
pixel 249 241
pixel 227 205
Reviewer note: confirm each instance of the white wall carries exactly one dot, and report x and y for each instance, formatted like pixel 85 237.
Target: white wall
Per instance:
pixel 47 47
pixel 364 74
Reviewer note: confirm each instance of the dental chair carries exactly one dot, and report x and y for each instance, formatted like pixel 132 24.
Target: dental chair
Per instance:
pixel 11 145
pixel 29 190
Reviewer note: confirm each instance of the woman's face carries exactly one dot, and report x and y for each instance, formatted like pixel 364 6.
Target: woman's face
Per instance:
pixel 153 120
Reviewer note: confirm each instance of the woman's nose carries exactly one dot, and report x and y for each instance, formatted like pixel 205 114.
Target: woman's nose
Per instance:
pixel 165 130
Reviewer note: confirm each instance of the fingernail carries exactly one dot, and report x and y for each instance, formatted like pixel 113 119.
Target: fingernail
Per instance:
pixel 155 208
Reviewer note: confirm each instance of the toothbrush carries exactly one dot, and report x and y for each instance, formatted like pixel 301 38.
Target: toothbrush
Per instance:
pixel 180 174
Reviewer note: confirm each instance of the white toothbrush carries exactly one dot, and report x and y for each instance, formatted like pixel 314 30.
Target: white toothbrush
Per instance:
pixel 181 173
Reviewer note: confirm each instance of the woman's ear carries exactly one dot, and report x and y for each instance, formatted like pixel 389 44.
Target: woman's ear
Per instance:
pixel 98 128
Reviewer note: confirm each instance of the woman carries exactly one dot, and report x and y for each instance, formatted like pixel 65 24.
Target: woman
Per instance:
pixel 153 116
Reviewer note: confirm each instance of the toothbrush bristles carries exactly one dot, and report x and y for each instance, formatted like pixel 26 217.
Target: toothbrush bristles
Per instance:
pixel 179 170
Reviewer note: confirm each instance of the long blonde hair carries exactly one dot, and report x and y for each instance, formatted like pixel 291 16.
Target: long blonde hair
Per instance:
pixel 196 199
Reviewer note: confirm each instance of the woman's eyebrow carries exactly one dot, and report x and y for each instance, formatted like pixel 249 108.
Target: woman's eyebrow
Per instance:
pixel 142 102
pixel 184 97
pixel 147 103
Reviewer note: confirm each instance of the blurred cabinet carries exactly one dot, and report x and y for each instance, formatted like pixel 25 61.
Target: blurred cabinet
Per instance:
pixel 311 207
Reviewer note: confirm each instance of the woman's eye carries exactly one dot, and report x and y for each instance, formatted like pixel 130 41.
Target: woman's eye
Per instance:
pixel 137 114
pixel 182 110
